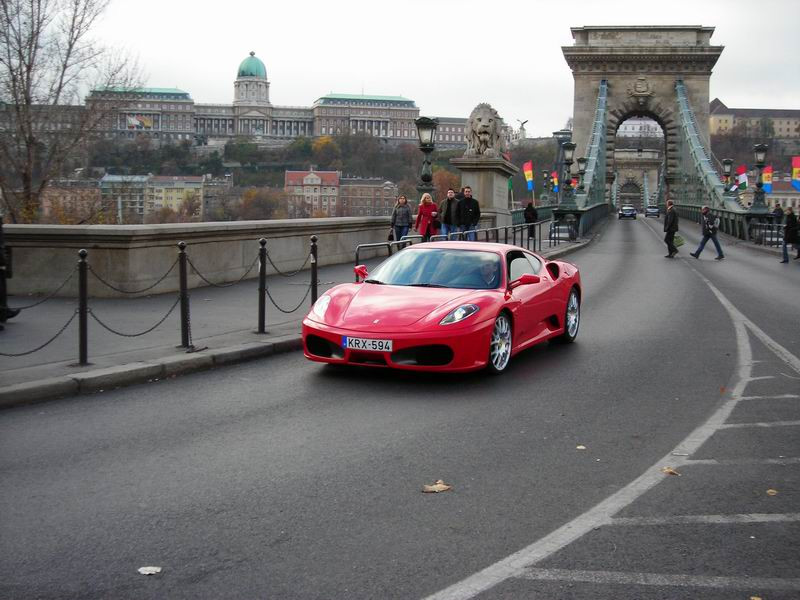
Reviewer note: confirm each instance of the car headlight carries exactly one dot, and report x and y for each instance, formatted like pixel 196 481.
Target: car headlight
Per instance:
pixel 459 314
pixel 321 305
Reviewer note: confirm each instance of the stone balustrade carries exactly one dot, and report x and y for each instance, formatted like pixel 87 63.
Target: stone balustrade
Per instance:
pixel 133 257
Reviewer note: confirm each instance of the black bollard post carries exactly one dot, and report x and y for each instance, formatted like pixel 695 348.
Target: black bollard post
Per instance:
pixel 5 273
pixel 262 286
pixel 505 234
pixel 184 292
pixel 83 292
pixel 314 274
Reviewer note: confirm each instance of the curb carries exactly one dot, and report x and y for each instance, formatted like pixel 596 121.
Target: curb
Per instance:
pixel 98 380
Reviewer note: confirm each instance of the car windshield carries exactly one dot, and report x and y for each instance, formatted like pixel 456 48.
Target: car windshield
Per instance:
pixel 626 207
pixel 433 267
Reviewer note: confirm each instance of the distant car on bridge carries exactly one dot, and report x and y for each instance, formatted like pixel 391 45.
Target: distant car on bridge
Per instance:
pixel 626 211
pixel 652 211
pixel 446 306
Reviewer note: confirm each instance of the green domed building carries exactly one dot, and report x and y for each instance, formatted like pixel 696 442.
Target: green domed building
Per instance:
pixel 251 86
pixel 252 67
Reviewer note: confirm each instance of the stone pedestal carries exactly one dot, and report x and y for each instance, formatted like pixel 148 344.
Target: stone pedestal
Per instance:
pixel 488 178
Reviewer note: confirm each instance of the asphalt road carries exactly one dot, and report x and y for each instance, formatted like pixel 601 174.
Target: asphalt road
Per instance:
pixel 287 479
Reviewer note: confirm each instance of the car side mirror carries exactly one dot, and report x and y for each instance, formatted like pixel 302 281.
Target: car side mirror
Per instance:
pixel 361 272
pixel 526 279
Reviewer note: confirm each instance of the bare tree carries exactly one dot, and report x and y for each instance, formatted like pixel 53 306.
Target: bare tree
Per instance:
pixel 48 61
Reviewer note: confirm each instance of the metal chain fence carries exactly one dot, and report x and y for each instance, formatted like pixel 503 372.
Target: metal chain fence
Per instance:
pixel 148 288
pixel 293 273
pixel 49 296
pixel 132 335
pixel 288 312
pixel 51 340
pixel 222 285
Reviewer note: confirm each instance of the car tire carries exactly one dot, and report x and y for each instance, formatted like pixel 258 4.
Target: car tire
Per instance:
pixel 572 318
pixel 500 345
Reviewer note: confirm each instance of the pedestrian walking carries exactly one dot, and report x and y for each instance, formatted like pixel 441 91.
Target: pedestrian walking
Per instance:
pixel 448 213
pixel 426 217
pixel 468 214
pixel 531 216
pixel 671 228
pixel 401 218
pixel 710 225
pixel 790 234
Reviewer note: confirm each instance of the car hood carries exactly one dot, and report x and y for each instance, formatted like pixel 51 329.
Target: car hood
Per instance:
pixel 373 307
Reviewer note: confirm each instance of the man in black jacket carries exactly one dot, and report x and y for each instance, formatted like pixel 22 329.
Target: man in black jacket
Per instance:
pixel 671 227
pixel 531 217
pixel 468 213
pixel 448 213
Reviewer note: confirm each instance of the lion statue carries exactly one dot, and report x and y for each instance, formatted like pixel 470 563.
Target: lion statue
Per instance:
pixel 484 132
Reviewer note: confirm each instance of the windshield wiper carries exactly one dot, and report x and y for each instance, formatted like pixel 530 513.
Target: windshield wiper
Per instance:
pixel 373 281
pixel 434 285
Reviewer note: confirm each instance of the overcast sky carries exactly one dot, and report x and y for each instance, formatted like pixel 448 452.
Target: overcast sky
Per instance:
pixel 446 55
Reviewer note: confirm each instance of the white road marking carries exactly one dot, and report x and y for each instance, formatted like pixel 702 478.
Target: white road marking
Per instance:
pixel 662 579
pixel 742 461
pixel 776 397
pixel 515 564
pixel 709 519
pixel 761 424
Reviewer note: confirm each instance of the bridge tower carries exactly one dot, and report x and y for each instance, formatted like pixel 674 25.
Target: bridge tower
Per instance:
pixel 641 65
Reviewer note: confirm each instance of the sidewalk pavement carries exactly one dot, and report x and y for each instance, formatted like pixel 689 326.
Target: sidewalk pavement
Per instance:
pixel 223 327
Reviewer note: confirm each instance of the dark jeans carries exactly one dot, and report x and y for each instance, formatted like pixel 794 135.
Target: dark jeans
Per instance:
pixel 400 231
pixel 713 238
pixel 669 238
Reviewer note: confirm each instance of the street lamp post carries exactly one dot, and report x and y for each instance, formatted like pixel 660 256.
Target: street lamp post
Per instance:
pixel 727 168
pixel 543 198
pixel 426 130
pixel 568 195
pixel 759 206
pixel 581 171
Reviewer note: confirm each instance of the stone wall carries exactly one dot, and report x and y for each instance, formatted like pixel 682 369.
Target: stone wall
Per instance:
pixel 132 257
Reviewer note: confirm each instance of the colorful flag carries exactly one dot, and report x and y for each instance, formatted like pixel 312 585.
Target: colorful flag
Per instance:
pixel 741 179
pixel 527 168
pixel 796 172
pixel 554 179
pixel 766 179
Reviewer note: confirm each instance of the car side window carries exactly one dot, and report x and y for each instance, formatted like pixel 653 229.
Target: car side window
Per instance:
pixel 518 265
pixel 535 263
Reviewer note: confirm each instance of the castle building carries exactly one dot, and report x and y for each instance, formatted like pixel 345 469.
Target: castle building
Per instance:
pixel 785 122
pixel 170 115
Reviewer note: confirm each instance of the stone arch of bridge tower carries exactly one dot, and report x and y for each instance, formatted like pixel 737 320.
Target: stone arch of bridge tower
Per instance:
pixel 655 109
pixel 630 186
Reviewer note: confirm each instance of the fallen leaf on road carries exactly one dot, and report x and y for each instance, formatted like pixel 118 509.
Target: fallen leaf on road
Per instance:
pixel 439 486
pixel 755 597
pixel 771 492
pixel 670 471
pixel 581 447
pixel 149 570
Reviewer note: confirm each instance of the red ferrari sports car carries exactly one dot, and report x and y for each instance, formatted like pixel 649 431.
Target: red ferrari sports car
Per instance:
pixel 446 306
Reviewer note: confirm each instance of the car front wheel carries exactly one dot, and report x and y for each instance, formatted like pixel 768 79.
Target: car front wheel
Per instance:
pixel 572 318
pixel 500 345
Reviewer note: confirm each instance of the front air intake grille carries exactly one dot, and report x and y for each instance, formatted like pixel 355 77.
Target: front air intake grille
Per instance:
pixel 435 355
pixel 323 348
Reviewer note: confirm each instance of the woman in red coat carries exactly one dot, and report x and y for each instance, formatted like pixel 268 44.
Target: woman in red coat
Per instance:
pixel 426 214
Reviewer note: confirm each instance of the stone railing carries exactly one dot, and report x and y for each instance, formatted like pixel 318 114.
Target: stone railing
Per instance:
pixel 134 257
